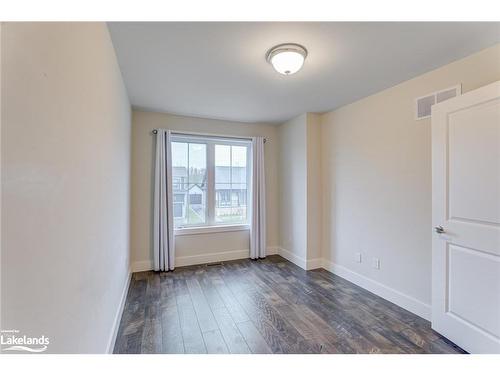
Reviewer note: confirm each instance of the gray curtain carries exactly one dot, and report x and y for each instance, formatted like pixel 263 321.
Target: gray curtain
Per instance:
pixel 258 229
pixel 163 230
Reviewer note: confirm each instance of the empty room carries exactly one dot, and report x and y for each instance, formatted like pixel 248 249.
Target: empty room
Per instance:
pixel 250 188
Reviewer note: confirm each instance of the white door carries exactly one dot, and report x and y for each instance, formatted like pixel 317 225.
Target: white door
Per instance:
pixel 466 219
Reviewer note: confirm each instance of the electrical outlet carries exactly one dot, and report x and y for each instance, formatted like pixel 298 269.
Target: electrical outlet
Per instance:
pixel 376 263
pixel 358 257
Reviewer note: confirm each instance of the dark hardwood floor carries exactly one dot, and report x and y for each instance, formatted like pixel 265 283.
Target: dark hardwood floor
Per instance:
pixel 265 306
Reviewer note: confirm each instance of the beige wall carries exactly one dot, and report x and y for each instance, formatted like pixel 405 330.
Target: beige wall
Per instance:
pixel 376 170
pixel 314 193
pixel 200 247
pixel 65 184
pixel 293 187
pixel 300 185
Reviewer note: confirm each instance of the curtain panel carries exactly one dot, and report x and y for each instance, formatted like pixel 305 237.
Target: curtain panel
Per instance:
pixel 163 220
pixel 258 228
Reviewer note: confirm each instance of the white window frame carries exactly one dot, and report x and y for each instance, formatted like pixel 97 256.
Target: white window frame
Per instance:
pixel 211 225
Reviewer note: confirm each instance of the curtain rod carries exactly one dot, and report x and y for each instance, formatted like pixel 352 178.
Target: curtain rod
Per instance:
pixel 155 131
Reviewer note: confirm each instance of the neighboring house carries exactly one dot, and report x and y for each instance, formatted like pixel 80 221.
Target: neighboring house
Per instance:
pixel 230 188
pixel 190 197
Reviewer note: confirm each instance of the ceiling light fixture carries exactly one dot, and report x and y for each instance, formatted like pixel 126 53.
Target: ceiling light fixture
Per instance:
pixel 287 58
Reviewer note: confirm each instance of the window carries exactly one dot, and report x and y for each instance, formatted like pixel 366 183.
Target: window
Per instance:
pixel 210 181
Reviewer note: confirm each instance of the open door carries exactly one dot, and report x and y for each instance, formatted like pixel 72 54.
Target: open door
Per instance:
pixel 466 219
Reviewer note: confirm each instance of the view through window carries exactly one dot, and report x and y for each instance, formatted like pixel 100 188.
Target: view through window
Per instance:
pixel 230 183
pixel 189 178
pixel 210 181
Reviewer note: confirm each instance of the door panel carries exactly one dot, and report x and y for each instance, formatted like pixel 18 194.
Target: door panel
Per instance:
pixel 466 203
pixel 464 302
pixel 474 178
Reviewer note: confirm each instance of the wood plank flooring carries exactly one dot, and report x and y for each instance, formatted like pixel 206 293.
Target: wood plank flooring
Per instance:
pixel 265 306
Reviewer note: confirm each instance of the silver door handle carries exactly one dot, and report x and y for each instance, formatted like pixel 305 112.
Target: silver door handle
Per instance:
pixel 439 229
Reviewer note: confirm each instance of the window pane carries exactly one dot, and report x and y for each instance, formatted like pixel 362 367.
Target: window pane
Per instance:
pixel 223 155
pixel 197 163
pixel 239 156
pixel 230 184
pixel 189 171
pixel 179 180
pixel 197 183
pixel 239 164
pixel 222 164
pixel 179 164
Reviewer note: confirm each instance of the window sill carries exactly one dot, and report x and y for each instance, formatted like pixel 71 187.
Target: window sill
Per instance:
pixel 211 229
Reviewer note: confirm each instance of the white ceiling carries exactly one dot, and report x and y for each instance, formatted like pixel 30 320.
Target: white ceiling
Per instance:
pixel 218 70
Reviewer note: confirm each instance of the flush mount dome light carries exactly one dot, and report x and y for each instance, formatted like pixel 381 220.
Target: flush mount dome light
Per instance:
pixel 287 58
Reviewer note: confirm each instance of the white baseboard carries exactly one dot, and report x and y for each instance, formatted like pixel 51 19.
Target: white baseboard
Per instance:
pixel 273 250
pixel 118 315
pixel 392 295
pixel 141 265
pixel 312 264
pixel 191 260
pixel 288 255
pixel 211 257
pixel 307 264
